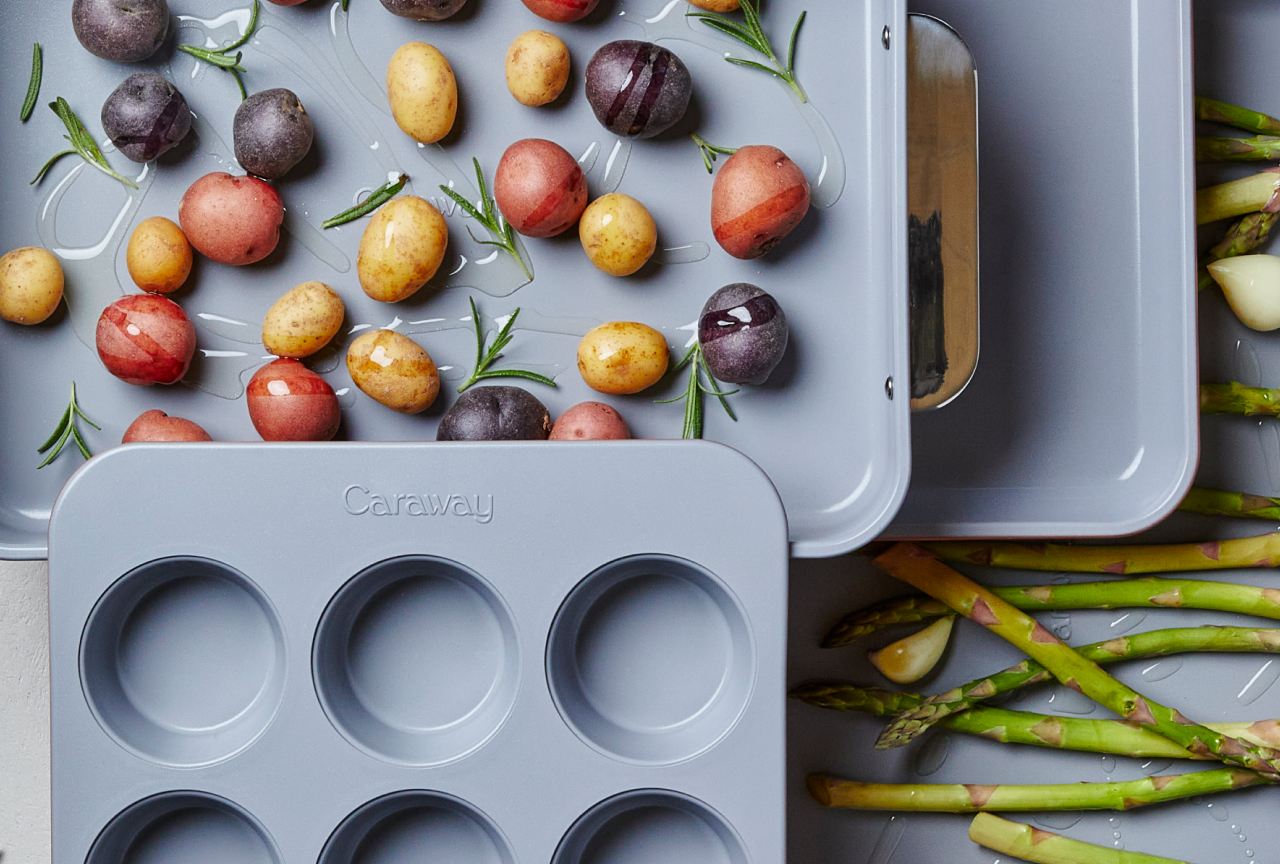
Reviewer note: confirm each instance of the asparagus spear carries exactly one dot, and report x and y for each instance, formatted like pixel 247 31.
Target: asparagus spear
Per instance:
pixel 1244 236
pixel 888 613
pixel 1238 197
pixel 1024 727
pixel 913 722
pixel 968 797
pixel 924 571
pixel 1148 592
pixel 1214 111
pixel 1212 502
pixel 1044 847
pixel 1000 724
pixel 1261 551
pixel 1260 149
pixel 1235 398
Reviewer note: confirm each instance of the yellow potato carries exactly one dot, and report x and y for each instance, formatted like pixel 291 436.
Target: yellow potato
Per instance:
pixel 422 91
pixel 537 68
pixel 721 6
pixel 159 256
pixel 618 234
pixel 394 370
pixel 303 321
pixel 30 285
pixel 403 247
pixel 622 357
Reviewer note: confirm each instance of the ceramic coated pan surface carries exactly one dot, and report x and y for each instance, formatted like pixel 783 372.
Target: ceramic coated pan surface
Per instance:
pixel 824 426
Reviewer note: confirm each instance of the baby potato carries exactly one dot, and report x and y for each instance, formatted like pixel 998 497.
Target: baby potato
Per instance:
pixel 622 357
pixel 422 91
pixel 590 421
pixel 618 234
pixel 402 248
pixel 537 68
pixel 232 220
pixel 159 256
pixel 303 320
pixel 30 285
pixel 393 369
pixel 720 6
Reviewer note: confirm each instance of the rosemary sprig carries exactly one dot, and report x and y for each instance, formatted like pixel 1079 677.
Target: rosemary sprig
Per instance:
pixel 485 359
pixel 376 199
pixel 344 5
pixel 67 429
pixel 709 151
pixel 693 393
pixel 218 57
pixel 82 143
pixel 753 36
pixel 33 89
pixel 490 219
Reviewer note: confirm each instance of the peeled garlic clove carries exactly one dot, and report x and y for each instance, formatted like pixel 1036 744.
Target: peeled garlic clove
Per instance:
pixel 1251 284
pixel 914 657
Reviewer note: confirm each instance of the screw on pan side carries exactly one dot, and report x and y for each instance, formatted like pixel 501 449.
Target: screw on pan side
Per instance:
pixel 888 387
pixel 884 37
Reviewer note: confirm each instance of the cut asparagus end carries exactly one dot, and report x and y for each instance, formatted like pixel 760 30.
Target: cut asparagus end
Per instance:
pixel 1251 284
pixel 1044 847
pixel 914 657
pixel 1237 198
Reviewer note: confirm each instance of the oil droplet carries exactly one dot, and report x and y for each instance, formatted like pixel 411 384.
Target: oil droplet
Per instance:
pixel 1219 812
pixel 315 242
pixel 1071 702
pixel 349 59
pixel 685 253
pixel 346 398
pixel 1269 440
pixel 1260 683
pixel 1235 829
pixel 1114 821
pixel 243 332
pixel 1155 766
pixel 933 754
pixel 1127 622
pixel 1245 364
pixel 1118 844
pixel 1249 854
pixel 1162 669
pixel 607 177
pixel 221 373
pixel 890 836
pixel 89 273
pixel 1108 764
pixel 1059 821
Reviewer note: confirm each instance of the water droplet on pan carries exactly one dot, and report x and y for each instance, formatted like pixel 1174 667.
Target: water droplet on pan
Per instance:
pixel 933 754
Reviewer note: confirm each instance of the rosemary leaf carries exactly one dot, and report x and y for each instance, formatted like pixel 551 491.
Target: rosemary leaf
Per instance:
pixel 33 89
pixel 694 390
pixel 486 358
pixel 376 199
pixel 489 218
pixel 709 151
pixel 751 34
pixel 67 430
pixel 83 144
pixel 219 56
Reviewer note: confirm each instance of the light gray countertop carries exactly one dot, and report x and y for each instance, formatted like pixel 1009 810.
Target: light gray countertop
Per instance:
pixel 24 712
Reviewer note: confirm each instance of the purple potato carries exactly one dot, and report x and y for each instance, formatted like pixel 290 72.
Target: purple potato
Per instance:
pixel 126 31
pixel 424 10
pixel 146 116
pixel 637 88
pixel 495 414
pixel 743 332
pixel 272 132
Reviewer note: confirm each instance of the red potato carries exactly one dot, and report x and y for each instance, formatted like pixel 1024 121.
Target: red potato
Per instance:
pixel 289 402
pixel 562 11
pixel 146 339
pixel 590 421
pixel 539 188
pixel 758 197
pixel 156 425
pixel 232 220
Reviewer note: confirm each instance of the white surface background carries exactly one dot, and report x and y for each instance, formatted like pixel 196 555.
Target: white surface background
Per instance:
pixel 24 712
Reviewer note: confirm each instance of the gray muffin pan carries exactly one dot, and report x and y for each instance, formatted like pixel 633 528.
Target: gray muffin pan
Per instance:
pixel 1081 418
pixel 490 653
pixel 824 427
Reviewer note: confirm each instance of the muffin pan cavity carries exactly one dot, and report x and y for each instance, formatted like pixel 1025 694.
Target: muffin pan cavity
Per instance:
pixel 596 665
pixel 183 661
pixel 651 827
pixel 416 661
pixel 415 826
pixel 184 828
pixel 650 660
